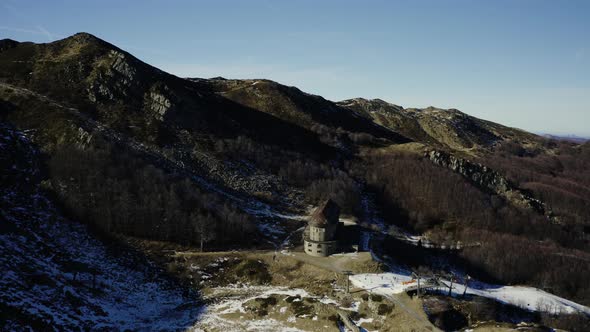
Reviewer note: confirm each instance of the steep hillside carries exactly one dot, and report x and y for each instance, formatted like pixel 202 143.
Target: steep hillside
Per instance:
pixel 294 106
pixel 390 116
pixel 450 129
pixel 56 276
pixel 132 97
pixel 556 174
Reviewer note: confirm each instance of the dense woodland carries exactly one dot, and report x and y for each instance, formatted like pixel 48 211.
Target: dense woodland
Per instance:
pixel 317 177
pixel 510 245
pixel 560 179
pixel 426 198
pixel 119 193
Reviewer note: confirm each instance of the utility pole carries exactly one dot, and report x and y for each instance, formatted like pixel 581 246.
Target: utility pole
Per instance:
pixel 417 276
pixel 347 274
pixel 466 282
pixel 436 279
pixel 451 286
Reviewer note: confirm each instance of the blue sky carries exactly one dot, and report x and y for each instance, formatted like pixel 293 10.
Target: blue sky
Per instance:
pixel 521 63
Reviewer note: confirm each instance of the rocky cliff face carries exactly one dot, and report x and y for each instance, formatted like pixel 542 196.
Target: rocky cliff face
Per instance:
pixel 488 180
pixel 113 77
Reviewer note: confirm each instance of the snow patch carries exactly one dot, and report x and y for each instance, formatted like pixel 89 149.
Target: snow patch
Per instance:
pixel 525 297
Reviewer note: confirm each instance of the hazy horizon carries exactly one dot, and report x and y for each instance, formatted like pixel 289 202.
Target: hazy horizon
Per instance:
pixel 523 64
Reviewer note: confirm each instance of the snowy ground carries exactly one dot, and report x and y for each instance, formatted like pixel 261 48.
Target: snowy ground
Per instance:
pixel 228 312
pixel 37 281
pixel 42 254
pixel 399 280
pixel 272 223
pixel 525 297
pixel 529 298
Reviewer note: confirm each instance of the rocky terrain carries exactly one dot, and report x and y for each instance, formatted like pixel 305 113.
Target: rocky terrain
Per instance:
pixel 101 151
pixel 57 276
pixel 490 180
pixel 449 129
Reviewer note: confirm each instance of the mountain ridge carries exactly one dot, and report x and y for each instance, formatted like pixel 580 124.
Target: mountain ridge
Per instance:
pixel 226 164
pixel 448 128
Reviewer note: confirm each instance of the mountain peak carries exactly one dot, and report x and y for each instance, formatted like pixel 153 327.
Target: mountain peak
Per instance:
pixel 85 37
pixel 6 44
pixel 84 40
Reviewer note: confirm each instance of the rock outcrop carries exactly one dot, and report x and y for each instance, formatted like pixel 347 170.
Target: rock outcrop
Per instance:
pixel 489 180
pixel 158 101
pixel 113 77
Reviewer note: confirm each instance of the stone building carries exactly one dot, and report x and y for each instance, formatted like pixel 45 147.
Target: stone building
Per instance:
pixel 320 233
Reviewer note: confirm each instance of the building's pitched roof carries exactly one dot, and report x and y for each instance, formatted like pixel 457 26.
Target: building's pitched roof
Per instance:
pixel 326 213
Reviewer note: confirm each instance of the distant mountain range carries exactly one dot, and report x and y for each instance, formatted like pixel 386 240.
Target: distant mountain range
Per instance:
pixel 569 138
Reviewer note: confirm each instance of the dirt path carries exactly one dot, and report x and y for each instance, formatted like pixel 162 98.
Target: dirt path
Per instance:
pixel 416 318
pixel 414 309
pixel 335 263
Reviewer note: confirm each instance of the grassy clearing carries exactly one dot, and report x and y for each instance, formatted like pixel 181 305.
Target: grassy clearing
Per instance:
pixel 216 274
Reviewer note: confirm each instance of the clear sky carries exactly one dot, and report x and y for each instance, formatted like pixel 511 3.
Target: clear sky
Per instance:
pixel 523 63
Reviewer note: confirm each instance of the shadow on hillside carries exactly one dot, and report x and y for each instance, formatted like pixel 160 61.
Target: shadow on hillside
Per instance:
pixel 434 260
pixel 65 269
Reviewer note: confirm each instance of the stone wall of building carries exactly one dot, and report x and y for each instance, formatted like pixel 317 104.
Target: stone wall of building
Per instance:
pixel 317 234
pixel 320 249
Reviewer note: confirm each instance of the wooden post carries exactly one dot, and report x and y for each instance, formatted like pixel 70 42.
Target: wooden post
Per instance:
pixel 348 282
pixel 347 274
pixel 417 276
pixel 451 285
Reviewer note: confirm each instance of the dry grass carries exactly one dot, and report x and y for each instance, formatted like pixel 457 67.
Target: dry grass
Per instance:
pixel 364 266
pixel 316 276
pixel 287 271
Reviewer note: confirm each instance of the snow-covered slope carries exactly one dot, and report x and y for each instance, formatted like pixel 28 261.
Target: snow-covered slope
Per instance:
pixel 48 265
pixel 235 299
pixel 529 298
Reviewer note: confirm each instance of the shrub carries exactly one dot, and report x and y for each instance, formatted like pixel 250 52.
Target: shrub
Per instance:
pixel 384 309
